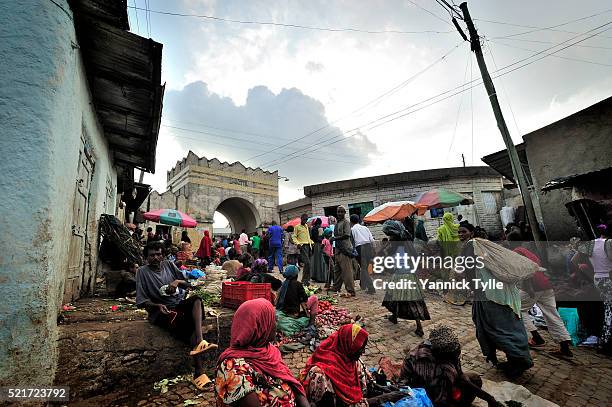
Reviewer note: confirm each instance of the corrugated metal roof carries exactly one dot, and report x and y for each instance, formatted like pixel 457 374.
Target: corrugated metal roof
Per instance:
pixel 500 162
pixel 601 177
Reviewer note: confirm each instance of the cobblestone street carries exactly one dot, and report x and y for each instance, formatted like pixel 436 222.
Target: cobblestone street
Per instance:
pixel 584 380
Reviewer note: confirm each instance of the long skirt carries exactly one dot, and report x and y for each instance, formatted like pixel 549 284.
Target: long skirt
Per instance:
pixel 604 285
pixel 406 303
pixel 317 265
pixel 498 327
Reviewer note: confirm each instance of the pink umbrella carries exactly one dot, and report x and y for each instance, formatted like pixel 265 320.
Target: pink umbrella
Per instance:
pixel 324 220
pixel 171 217
pixel 293 222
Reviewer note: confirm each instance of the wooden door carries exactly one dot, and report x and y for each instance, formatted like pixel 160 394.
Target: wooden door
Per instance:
pixel 80 206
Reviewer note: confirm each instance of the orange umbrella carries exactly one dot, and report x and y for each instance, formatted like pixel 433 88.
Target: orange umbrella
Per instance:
pixel 394 210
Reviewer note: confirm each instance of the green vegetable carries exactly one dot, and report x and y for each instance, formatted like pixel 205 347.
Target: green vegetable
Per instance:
pixel 209 299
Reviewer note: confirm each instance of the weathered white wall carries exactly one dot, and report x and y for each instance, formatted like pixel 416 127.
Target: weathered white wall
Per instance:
pixel 44 108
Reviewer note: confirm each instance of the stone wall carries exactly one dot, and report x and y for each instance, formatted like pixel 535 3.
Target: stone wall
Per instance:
pixel 198 186
pixel 577 144
pixel 45 111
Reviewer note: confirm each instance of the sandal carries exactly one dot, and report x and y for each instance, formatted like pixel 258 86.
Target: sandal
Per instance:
pixel 534 344
pixel 202 347
pixel 201 381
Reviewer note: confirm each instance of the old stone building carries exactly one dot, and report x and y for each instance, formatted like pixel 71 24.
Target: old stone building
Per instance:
pixel 247 197
pixel 360 195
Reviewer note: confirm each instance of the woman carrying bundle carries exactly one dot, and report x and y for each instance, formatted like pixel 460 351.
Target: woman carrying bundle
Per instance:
pixel 496 313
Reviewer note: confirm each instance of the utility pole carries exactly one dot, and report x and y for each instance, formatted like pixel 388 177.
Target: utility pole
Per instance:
pixel 517 169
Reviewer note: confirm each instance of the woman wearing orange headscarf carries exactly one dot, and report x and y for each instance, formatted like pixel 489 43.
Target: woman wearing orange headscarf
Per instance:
pixel 334 374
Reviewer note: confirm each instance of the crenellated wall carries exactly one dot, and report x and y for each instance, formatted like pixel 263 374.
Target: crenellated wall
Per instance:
pixel 200 186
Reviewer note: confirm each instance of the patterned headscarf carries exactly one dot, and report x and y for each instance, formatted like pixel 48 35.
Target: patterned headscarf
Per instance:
pixel 395 230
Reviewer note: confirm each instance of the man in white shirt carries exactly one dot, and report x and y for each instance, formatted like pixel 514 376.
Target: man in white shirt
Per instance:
pixel 363 241
pixel 244 241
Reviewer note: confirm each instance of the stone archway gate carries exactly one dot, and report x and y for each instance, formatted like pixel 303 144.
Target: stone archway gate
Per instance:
pixel 198 186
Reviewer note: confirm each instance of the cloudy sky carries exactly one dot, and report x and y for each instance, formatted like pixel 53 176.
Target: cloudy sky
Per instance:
pixel 320 105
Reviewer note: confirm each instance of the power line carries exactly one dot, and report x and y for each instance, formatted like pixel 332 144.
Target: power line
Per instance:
pixel 378 98
pixel 536 29
pixel 148 16
pixel 472 110
pixel 305 27
pixel 556 56
pixel 136 12
pixel 552 42
pixel 242 140
pixel 506 94
pixel 395 115
pixel 450 147
pixel 430 12
pixel 251 149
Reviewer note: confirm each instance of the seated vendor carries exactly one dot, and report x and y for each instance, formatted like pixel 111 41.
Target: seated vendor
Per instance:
pixel 295 310
pixel 246 260
pixel 259 274
pixel 160 289
pixel 334 375
pixel 435 366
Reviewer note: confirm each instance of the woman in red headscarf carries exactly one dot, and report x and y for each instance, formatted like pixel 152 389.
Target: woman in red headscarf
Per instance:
pixel 205 250
pixel 334 375
pixel 251 372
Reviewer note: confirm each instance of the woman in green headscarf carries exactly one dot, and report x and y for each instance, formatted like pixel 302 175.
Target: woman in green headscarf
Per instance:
pixel 448 236
pixel 450 245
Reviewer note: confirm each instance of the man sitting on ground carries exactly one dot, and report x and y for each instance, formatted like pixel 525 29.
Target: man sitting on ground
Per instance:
pixel 160 289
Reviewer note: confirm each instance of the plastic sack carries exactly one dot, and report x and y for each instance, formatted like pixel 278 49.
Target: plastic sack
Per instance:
pixel 418 398
pixel 507 215
pixel 195 274
pixel 504 264
pixel 570 319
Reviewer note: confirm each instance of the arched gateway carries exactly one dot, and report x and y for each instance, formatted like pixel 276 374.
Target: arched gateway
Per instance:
pixel 247 197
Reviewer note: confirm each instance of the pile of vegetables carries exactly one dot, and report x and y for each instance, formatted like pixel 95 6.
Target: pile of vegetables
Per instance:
pixel 329 298
pixel 333 317
pixel 324 306
pixel 208 298
pixel 310 290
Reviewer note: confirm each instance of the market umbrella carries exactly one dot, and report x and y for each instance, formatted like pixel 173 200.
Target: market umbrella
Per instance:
pixel 324 220
pixel 442 198
pixel 293 222
pixel 397 210
pixel 171 217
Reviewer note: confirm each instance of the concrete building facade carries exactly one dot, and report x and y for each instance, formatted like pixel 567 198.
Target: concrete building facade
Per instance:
pixel 294 209
pixel 61 171
pixel 360 195
pixel 247 197
pixel 574 146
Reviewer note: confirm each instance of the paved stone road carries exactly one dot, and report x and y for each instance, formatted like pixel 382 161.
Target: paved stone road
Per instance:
pixel 585 380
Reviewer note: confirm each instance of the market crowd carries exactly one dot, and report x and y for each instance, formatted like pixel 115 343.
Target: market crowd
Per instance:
pixel 251 371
